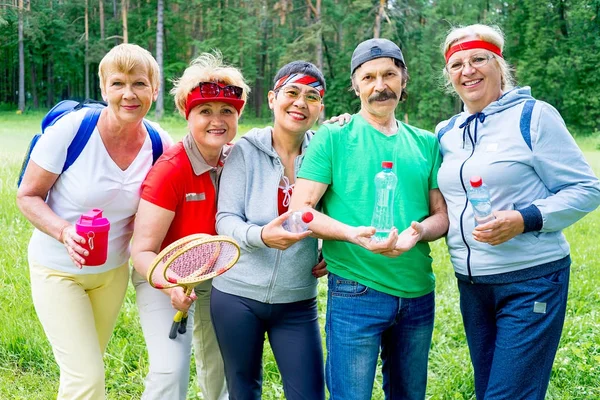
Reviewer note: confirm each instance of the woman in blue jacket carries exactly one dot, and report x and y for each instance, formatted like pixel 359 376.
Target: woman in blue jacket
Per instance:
pixel 513 272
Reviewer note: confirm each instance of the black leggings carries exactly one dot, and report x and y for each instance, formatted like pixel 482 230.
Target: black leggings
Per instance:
pixel 293 331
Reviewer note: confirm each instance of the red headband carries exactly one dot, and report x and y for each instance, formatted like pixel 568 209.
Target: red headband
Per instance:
pixel 196 98
pixel 473 44
pixel 302 80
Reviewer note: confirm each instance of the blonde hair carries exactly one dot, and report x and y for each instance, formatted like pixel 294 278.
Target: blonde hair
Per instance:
pixel 208 67
pixel 125 58
pixel 490 34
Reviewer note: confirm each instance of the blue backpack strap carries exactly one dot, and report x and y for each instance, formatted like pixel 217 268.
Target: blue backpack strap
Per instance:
pixel 61 108
pixel 157 147
pixel 83 135
pixel 32 144
pixel 445 129
pixel 525 124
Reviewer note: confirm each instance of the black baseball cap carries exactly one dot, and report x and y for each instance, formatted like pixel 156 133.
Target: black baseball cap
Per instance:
pixel 372 49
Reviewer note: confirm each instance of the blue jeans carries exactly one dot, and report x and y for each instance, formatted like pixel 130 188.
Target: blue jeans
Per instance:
pixel 513 331
pixel 362 321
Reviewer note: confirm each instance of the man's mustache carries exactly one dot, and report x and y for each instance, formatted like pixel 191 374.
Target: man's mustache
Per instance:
pixel 382 96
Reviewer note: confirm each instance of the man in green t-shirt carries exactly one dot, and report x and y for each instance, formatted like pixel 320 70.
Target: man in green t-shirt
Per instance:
pixel 381 293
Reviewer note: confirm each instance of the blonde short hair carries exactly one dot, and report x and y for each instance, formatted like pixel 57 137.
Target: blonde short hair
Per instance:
pixel 125 58
pixel 490 34
pixel 208 67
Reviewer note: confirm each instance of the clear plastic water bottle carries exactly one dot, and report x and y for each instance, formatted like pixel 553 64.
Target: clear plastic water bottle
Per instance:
pixel 298 222
pixel 479 196
pixel 383 213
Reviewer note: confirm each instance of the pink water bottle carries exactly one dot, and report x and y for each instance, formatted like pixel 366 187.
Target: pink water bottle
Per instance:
pixel 94 228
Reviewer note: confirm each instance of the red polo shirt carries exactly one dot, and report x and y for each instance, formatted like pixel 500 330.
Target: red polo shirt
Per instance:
pixel 182 182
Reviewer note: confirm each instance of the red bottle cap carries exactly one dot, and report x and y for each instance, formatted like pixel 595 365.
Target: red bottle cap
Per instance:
pixel 387 164
pixel 307 217
pixel 476 181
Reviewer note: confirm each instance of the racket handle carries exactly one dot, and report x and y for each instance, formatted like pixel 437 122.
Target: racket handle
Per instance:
pixel 183 325
pixel 175 326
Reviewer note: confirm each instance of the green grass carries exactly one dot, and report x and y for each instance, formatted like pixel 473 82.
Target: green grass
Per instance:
pixel 28 371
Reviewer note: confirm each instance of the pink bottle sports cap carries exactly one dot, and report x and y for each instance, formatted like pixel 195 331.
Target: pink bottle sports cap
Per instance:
pixel 94 219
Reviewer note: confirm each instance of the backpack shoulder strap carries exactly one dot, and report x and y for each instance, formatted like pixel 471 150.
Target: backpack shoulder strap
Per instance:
pixel 157 147
pixel 82 136
pixel 525 123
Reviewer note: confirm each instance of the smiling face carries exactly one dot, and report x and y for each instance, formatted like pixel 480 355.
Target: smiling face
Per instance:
pixel 212 125
pixel 477 87
pixel 379 85
pixel 129 95
pixel 296 107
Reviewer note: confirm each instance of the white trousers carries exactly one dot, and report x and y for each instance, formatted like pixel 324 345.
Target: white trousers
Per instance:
pixel 169 370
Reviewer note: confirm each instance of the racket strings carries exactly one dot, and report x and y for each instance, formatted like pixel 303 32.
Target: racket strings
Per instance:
pixel 201 261
pixel 157 277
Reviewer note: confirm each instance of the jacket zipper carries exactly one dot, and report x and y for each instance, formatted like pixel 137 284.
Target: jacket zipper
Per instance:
pixel 278 256
pixel 462 182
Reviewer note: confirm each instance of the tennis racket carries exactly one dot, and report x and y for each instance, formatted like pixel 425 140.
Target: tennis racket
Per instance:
pixel 189 261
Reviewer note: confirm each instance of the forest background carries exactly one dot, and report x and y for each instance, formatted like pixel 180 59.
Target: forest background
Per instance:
pixel 52 47
pixel 50 50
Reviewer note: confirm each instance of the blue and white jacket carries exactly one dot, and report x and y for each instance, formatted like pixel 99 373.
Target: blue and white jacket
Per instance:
pixel 530 162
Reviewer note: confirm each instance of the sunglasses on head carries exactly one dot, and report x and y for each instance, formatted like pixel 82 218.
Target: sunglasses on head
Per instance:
pixel 211 89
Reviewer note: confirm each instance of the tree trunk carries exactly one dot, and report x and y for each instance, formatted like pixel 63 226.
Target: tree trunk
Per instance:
pixel 562 18
pixel 124 15
pixel 101 12
pixel 316 12
pixel 378 17
pixel 319 47
pixel 262 62
pixel 116 18
pixel 87 52
pixel 50 82
pixel 33 80
pixel 21 60
pixel 159 58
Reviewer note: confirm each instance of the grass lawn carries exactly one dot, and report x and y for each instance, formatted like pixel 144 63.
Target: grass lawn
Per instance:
pixel 28 371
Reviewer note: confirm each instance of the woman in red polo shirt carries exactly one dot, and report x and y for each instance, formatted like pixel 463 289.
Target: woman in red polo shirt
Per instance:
pixel 179 199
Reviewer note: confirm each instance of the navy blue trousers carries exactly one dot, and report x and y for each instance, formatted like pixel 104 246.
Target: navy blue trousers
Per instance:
pixel 293 332
pixel 513 331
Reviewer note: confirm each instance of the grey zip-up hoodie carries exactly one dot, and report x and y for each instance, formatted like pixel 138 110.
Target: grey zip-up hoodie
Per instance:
pixel 247 202
pixel 543 175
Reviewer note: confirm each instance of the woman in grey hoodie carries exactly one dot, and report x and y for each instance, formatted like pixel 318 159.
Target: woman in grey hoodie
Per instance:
pixel 513 271
pixel 271 291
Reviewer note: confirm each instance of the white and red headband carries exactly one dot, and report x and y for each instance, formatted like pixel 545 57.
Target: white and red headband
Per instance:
pixel 301 79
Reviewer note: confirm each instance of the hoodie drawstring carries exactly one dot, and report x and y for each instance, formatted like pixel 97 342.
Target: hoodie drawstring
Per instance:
pixel 479 116
pixel 287 190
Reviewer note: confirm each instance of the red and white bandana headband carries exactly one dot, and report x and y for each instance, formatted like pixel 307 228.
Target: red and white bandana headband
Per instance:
pixel 473 44
pixel 300 79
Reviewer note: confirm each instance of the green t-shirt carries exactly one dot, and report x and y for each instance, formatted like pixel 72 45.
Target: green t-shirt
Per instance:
pixel 347 159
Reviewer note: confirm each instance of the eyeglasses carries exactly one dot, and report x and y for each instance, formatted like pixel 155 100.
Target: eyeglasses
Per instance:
pixel 294 93
pixel 211 89
pixel 475 61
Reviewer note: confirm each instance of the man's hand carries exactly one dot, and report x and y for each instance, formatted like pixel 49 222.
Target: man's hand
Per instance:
pixel 276 237
pixel 342 119
pixel 506 226
pixel 363 236
pixel 320 269
pixel 407 239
